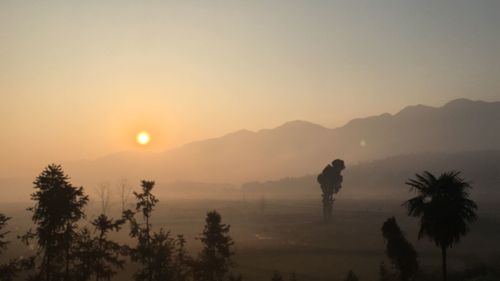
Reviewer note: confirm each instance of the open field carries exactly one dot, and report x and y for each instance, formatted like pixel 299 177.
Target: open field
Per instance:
pixel 289 236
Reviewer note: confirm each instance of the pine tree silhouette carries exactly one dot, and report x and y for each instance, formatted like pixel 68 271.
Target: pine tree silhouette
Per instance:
pixel 214 261
pixel 58 208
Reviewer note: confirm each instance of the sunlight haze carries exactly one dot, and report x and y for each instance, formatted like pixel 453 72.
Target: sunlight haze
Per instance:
pixel 79 79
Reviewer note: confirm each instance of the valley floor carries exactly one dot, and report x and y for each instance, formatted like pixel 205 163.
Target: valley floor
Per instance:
pixel 289 236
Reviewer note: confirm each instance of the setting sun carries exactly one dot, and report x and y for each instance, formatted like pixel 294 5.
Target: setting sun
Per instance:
pixel 143 138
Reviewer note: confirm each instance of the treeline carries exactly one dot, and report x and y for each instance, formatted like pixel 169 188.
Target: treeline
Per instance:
pixel 65 251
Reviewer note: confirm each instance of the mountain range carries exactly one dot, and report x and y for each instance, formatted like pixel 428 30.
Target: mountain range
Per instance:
pixel 298 148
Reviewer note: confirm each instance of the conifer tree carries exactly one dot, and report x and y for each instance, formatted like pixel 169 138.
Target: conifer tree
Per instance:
pixel 58 208
pixel 214 261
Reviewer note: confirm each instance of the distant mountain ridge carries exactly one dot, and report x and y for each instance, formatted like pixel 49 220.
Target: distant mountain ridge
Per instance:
pixel 300 147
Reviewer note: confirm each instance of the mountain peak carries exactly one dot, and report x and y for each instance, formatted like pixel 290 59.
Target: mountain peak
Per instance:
pixel 299 124
pixel 414 109
pixel 461 103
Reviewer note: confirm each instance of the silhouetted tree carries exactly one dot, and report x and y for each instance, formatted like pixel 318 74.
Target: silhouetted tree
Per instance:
pixel 155 251
pixel 182 261
pixel 351 276
pixel 330 181
pixel 142 231
pixel 399 251
pixel 10 269
pixel 98 256
pixel 214 261
pixel 444 208
pixel 277 276
pixel 383 272
pixel 7 272
pixel 162 249
pixel 3 223
pixel 59 206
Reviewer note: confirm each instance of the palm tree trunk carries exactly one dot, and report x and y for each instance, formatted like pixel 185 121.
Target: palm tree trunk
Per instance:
pixel 443 254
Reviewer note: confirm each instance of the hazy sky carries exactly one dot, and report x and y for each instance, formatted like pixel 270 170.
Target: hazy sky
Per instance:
pixel 78 79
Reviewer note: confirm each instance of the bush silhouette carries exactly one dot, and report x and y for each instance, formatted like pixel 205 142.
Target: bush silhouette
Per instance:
pixel 399 251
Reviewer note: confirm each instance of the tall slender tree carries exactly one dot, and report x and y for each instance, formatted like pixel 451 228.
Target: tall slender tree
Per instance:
pixel 58 208
pixel 330 181
pixel 399 251
pixel 444 208
pixel 143 253
pixel 155 251
pixel 215 259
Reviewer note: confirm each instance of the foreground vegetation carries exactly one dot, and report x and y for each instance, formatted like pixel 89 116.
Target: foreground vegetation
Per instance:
pixel 173 244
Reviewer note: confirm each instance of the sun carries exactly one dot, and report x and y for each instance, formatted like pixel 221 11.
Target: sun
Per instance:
pixel 143 138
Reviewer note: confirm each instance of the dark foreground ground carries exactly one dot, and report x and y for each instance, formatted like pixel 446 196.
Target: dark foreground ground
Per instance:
pixel 289 236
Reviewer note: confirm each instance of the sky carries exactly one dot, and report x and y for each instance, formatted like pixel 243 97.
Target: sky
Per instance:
pixel 79 79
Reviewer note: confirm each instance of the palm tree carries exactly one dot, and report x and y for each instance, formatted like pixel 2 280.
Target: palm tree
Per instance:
pixel 444 208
